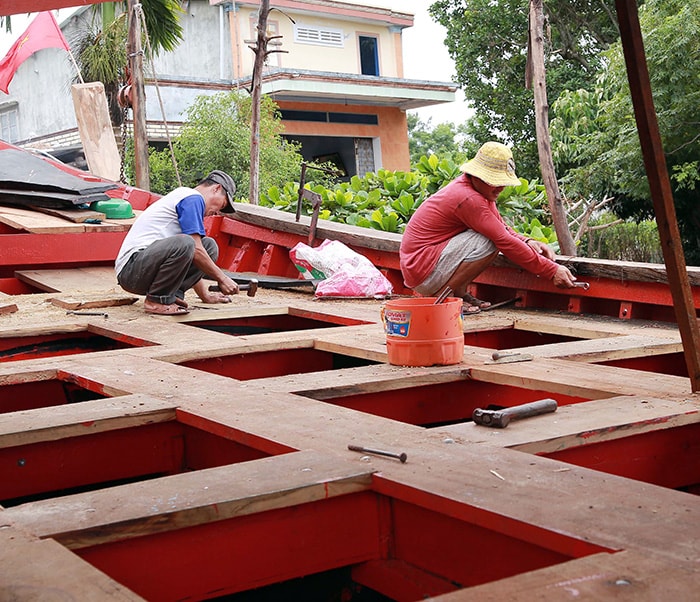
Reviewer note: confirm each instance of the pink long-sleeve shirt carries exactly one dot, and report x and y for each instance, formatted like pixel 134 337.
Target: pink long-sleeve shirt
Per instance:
pixel 453 209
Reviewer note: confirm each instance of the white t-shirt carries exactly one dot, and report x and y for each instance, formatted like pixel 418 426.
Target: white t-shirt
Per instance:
pixel 178 212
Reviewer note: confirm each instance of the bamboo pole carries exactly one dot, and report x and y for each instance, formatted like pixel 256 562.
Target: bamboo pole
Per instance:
pixel 536 79
pixel 260 55
pixel 138 96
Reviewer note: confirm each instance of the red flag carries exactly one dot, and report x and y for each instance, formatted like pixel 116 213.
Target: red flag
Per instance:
pixel 43 32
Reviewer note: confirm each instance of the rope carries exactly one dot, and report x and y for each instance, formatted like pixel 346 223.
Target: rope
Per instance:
pixel 138 9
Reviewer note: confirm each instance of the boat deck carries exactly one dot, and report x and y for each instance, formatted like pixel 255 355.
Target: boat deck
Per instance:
pixel 192 457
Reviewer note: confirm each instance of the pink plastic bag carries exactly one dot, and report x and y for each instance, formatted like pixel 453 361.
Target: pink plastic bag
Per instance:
pixel 343 272
pixel 355 281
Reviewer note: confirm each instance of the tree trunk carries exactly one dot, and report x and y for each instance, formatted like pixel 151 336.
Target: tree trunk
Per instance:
pixel 138 99
pixel 537 79
pixel 260 55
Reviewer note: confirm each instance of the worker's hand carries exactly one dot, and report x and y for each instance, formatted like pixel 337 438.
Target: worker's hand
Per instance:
pixel 563 278
pixel 541 248
pixel 214 297
pixel 228 286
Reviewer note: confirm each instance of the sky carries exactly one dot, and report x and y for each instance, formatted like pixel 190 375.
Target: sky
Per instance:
pixel 425 54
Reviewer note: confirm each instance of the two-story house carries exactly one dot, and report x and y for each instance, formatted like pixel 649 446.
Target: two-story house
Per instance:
pixel 339 80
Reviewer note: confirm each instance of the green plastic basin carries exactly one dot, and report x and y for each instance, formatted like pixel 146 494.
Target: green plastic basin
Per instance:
pixel 114 208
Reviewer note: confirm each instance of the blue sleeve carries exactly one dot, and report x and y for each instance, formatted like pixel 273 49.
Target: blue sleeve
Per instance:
pixel 190 214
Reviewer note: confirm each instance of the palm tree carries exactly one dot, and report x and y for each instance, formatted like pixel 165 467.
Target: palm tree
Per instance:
pixel 101 51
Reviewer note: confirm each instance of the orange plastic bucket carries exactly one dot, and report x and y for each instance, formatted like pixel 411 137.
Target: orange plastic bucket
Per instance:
pixel 420 333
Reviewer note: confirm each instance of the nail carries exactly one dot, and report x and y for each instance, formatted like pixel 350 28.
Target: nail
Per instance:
pixel 368 450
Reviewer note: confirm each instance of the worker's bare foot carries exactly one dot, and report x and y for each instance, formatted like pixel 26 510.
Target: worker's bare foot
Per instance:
pixel 181 302
pixel 468 309
pixel 162 309
pixel 472 301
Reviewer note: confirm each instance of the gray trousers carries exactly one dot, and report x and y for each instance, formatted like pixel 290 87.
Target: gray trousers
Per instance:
pixel 163 271
pixel 467 246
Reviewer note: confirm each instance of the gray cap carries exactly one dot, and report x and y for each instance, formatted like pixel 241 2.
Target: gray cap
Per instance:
pixel 227 183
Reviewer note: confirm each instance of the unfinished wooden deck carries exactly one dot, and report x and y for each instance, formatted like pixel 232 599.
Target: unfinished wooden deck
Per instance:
pixel 579 504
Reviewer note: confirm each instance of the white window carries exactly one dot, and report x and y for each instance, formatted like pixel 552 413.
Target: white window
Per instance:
pixel 305 34
pixel 9 124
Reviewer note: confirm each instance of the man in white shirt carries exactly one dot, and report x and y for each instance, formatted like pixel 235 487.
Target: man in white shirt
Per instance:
pixel 167 252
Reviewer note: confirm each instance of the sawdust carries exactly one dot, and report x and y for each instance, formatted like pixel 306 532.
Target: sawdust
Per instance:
pixel 37 310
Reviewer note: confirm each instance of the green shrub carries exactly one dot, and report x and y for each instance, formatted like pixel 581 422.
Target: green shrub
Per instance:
pixel 386 200
pixel 626 241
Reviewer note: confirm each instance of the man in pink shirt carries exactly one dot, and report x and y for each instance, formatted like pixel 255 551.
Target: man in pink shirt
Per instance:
pixel 457 233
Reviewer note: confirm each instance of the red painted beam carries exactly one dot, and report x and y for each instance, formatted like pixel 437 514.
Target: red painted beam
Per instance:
pixel 92 459
pixel 665 457
pixel 32 395
pixel 561 545
pixel 39 250
pixel 51 466
pixel 265 364
pixel 239 554
pixel 441 403
pixel 653 293
pixel 400 581
pixel 243 231
pixel 467 553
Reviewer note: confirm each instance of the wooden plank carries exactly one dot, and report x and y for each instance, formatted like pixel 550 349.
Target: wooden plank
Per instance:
pixel 286 222
pixel 622 271
pixel 159 505
pixel 8 308
pixel 367 342
pixel 114 224
pixel 578 379
pixel 660 185
pixel 76 216
pixel 34 569
pixel 586 327
pixel 364 379
pixel 95 128
pixel 605 350
pixel 85 418
pixel 352 235
pixel 92 300
pixel 34 222
pixel 598 508
pixel 628 575
pixel 73 279
pixel 582 424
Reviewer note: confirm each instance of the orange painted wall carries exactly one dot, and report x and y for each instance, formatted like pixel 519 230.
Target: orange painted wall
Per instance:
pixel 392 129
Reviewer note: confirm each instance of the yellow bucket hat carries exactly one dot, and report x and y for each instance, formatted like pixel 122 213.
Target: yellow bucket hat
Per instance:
pixel 494 165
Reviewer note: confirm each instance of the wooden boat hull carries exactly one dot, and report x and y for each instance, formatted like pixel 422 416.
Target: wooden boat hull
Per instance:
pixel 201 456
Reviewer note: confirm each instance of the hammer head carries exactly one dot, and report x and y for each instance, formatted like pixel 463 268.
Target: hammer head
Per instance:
pixel 492 418
pixel 251 288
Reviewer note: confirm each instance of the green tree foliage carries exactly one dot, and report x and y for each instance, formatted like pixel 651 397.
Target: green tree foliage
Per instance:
pixel 101 47
pixel 441 140
pixel 386 200
pixel 163 23
pixel 594 133
pixel 216 135
pixel 626 241
pixel 488 42
pixel 101 56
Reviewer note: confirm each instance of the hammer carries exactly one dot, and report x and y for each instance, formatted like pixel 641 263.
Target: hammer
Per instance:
pixel 501 418
pixel 251 287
